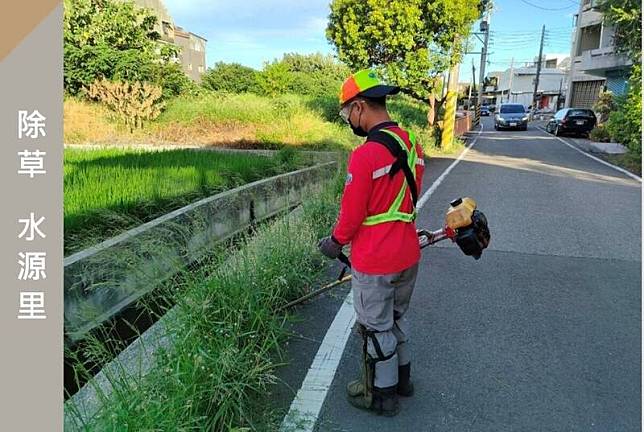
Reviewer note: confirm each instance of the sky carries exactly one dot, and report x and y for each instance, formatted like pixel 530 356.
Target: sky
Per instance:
pixel 252 32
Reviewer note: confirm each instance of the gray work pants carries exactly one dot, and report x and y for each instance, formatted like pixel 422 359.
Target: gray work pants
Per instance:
pixel 380 302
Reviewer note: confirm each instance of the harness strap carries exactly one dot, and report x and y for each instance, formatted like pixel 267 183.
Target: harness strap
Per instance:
pixel 394 144
pixel 371 334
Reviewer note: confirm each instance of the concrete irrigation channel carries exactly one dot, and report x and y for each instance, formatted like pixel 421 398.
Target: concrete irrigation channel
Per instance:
pixel 105 281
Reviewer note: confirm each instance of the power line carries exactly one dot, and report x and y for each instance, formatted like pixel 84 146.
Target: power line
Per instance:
pixel 546 9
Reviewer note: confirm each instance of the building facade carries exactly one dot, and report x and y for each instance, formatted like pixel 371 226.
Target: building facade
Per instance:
pixel 516 84
pixel 595 65
pixel 192 55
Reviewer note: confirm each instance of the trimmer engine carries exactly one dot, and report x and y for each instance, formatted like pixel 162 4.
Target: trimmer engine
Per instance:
pixel 465 225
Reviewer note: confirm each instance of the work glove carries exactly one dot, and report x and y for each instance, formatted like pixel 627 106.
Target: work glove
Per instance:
pixel 330 247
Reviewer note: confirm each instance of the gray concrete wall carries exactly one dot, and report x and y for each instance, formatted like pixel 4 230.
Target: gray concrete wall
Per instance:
pixel 103 279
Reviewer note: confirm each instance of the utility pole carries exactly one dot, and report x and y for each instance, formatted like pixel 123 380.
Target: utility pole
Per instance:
pixel 559 95
pixel 536 80
pixel 511 76
pixel 473 81
pixel 449 119
pixel 485 27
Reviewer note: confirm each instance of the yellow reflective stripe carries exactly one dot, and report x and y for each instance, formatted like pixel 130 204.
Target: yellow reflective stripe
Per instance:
pixel 411 153
pixel 394 213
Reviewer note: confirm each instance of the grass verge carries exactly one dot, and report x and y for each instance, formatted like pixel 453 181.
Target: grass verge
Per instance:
pixel 629 161
pixel 244 121
pixel 109 190
pixel 227 332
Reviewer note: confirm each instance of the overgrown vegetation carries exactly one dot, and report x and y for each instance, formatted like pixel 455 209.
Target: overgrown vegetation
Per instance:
pixel 243 121
pixel 133 102
pixel 228 334
pixel 625 122
pixel 290 102
pixel 107 191
pixel 116 40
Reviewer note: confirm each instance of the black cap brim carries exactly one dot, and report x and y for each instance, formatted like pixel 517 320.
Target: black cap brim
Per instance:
pixel 380 91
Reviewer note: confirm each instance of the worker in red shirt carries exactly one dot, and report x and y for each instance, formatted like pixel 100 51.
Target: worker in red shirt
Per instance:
pixel 376 218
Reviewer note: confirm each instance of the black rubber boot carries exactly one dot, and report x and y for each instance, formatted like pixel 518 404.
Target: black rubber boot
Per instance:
pixel 385 401
pixel 405 386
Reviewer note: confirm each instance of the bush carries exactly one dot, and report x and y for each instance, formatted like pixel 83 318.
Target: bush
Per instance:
pixel 604 105
pixel 625 123
pixel 133 102
pixel 600 134
pixel 311 75
pixel 173 80
pixel 230 77
pixel 275 79
pixel 316 63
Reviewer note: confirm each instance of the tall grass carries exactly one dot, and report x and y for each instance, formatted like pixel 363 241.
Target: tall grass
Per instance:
pixel 228 334
pixel 109 190
pixel 247 121
pixel 283 120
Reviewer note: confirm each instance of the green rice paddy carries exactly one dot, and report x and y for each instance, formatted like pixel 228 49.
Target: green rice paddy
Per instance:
pixel 109 190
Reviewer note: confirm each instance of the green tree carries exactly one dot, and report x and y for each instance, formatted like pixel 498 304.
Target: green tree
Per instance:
pixel 115 40
pixel 625 123
pixel 626 18
pixel 230 77
pixel 409 41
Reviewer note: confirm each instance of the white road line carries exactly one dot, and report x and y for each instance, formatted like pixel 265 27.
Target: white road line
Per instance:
pixel 305 408
pixel 601 161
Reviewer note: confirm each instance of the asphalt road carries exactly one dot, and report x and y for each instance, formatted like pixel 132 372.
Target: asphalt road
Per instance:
pixel 543 332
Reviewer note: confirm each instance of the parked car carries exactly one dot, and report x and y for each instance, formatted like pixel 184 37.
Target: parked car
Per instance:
pixel 578 121
pixel 511 116
pixel 485 111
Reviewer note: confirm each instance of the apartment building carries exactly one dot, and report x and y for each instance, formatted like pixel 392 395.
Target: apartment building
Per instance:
pixel 192 56
pixel 516 84
pixel 595 64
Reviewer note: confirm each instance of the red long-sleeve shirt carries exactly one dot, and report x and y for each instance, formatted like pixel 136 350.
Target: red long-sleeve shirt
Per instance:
pixel 388 247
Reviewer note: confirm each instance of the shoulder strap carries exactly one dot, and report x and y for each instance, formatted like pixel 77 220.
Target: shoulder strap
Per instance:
pixel 401 162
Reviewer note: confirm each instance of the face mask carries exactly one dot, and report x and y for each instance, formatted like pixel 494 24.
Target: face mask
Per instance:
pixel 358 130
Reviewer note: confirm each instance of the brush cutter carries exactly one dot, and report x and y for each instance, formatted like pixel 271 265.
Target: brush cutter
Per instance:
pixel 464 225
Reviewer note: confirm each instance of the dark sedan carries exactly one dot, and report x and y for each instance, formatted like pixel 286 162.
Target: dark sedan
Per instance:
pixel 511 116
pixel 578 121
pixel 485 111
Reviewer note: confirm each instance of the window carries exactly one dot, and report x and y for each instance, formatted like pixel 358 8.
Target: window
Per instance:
pixel 189 66
pixel 200 68
pixel 580 113
pixel 512 108
pixel 167 28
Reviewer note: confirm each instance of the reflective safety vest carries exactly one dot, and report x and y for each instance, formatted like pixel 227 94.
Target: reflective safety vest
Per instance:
pixel 408 166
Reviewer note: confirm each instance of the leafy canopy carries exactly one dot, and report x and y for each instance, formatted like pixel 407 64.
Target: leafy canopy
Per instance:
pixel 409 41
pixel 626 17
pixel 230 77
pixel 116 40
pixel 625 122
